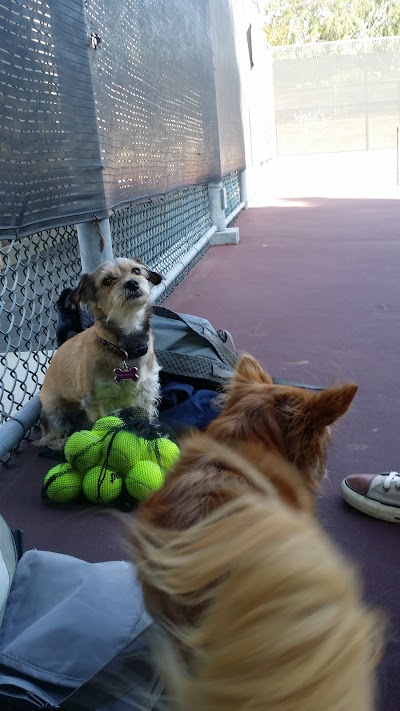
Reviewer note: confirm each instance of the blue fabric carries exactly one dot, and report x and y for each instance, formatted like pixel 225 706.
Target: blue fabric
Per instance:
pixel 184 407
pixel 65 619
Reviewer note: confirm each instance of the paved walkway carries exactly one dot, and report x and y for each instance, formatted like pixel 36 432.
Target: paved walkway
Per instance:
pixel 312 290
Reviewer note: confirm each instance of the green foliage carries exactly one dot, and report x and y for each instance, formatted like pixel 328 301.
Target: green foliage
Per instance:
pixel 300 21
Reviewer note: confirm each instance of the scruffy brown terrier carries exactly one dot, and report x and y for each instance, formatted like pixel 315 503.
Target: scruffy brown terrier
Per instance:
pixel 110 365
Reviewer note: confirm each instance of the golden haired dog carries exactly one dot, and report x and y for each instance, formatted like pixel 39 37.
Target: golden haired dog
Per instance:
pixel 258 419
pixel 260 609
pixel 110 365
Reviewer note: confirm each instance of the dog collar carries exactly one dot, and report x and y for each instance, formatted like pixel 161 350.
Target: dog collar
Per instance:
pixel 125 355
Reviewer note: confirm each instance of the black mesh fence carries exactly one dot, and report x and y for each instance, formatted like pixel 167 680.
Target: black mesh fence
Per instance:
pixel 337 96
pixel 153 81
pixel 227 87
pixel 50 166
pixel 112 101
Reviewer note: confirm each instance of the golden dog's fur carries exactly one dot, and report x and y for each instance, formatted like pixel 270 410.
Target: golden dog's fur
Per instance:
pixel 261 611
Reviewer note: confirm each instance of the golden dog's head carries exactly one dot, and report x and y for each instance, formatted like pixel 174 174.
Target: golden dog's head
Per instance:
pixel 291 421
pixel 116 288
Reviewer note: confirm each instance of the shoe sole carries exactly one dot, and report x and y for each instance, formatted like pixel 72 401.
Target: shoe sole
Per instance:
pixel 370 506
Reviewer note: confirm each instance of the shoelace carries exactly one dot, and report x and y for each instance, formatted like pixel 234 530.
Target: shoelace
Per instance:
pixel 392 477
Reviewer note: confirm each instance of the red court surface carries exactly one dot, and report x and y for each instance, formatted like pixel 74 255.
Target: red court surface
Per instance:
pixel 313 291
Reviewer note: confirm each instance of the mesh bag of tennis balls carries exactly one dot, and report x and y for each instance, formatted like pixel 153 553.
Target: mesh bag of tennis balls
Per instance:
pixel 62 484
pixel 140 450
pixel 124 456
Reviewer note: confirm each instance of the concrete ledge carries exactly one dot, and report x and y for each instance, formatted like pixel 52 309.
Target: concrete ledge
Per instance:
pixel 234 213
pixel 230 235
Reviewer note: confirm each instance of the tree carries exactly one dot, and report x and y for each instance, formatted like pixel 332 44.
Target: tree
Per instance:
pixel 300 21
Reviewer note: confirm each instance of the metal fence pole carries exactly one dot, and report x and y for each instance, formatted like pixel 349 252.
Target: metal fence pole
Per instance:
pixel 366 108
pixel 244 196
pixel 16 427
pixel 95 244
pixel 217 201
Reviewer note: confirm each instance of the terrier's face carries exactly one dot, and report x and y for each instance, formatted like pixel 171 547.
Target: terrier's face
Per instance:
pixel 115 288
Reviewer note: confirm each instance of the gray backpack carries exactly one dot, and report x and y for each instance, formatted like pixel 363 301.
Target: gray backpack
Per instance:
pixel 189 349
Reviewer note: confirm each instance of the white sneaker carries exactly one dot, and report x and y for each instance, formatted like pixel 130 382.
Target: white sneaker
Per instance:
pixel 376 495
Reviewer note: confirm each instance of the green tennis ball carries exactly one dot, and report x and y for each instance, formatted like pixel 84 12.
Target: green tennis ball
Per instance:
pixel 126 450
pixel 143 478
pixel 107 424
pixel 102 486
pixel 67 484
pixel 83 450
pixel 168 453
pixel 57 470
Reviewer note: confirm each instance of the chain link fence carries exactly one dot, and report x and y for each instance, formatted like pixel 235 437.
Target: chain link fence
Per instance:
pixel 232 187
pixel 34 270
pixel 337 96
pixel 162 230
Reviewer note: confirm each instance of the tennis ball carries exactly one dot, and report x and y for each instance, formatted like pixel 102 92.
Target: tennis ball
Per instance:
pixel 107 424
pixel 63 468
pixel 102 486
pixel 143 478
pixel 168 453
pixel 83 450
pixel 126 450
pixel 67 484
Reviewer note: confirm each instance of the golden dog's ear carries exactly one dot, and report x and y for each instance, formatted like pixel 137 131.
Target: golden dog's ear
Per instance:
pixel 249 370
pixel 84 292
pixel 327 406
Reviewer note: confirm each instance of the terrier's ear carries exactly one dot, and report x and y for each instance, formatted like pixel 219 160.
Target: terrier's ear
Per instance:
pixel 83 293
pixel 154 277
